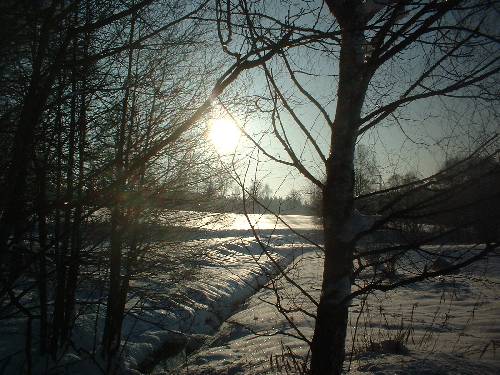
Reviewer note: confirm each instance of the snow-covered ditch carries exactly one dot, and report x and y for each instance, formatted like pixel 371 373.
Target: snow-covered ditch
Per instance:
pixel 232 272
pixel 445 325
pixel 209 306
pixel 190 289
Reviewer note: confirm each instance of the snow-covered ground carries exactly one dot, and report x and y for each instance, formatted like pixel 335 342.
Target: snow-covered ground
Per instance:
pixel 240 222
pixel 188 290
pixel 447 325
pixel 205 305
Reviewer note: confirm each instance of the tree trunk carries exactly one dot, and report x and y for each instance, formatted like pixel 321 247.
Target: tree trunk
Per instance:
pixel 76 240
pixel 12 221
pixel 115 306
pixel 59 332
pixel 328 345
pixel 42 264
pixel 58 255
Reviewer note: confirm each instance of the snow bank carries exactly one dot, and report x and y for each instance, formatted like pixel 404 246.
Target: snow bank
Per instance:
pixel 164 317
pixel 232 272
pixel 452 325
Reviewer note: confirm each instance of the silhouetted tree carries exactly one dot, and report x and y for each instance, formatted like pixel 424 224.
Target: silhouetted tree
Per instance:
pixel 364 41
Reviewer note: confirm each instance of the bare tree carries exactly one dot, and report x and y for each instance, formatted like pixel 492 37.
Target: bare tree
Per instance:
pixel 364 43
pixel 101 121
pixel 93 113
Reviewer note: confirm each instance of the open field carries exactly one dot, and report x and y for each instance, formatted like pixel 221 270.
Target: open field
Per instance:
pixel 204 304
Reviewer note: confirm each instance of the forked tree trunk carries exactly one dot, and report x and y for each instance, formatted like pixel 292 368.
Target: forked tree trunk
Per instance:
pixel 328 345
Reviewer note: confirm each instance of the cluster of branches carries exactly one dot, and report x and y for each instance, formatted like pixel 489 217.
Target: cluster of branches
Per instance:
pixel 462 195
pixel 100 102
pixel 101 108
pixel 381 60
pixel 101 105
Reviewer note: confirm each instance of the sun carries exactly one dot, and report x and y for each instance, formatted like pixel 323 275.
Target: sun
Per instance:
pixel 224 135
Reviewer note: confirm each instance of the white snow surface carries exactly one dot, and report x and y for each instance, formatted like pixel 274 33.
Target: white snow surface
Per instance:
pixel 174 305
pixel 231 273
pixel 451 324
pixel 238 222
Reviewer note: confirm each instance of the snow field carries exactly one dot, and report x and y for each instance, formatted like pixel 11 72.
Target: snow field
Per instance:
pixel 166 313
pixel 449 325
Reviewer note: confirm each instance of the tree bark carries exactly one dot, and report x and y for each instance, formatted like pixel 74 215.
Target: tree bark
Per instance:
pixel 42 264
pixel 328 345
pixel 115 305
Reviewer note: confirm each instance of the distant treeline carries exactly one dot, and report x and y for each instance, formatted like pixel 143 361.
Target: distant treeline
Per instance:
pixel 463 196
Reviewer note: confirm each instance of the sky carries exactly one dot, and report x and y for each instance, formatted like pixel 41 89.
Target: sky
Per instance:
pixel 425 135
pixel 419 139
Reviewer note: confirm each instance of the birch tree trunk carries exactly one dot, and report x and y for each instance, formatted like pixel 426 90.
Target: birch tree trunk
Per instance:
pixel 328 345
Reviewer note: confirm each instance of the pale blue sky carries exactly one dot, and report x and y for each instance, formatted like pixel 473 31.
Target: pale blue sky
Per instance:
pixel 425 133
